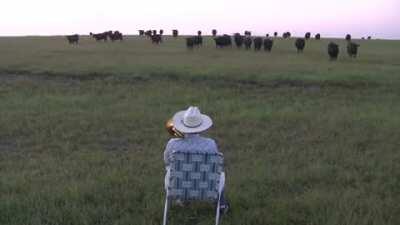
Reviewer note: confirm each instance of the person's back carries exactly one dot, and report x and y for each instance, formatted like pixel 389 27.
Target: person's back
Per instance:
pixel 191 123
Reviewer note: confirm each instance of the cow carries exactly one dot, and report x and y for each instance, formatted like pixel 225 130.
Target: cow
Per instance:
pixel 100 36
pixel 307 36
pixel 352 49
pixel 116 36
pixel 175 33
pixel 214 32
pixel 348 37
pixel 333 51
pixel 148 33
pixel 154 32
pixel 300 44
pixel 286 35
pixel 223 41
pixel 268 43
pixel 238 40
pixel 247 42
pixel 156 39
pixel 318 36
pixel 161 32
pixel 73 39
pixel 258 42
pixel 141 32
pixel 190 42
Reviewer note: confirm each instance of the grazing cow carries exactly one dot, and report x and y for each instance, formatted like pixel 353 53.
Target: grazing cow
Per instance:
pixel 100 36
pixel 348 37
pixel 175 33
pixel 190 42
pixel 223 41
pixel 214 32
pixel 308 35
pixel 333 51
pixel 156 39
pixel 300 44
pixel 352 49
pixel 238 40
pixel 141 32
pixel 73 39
pixel 116 36
pixel 258 42
pixel 318 36
pixel 268 43
pixel 275 34
pixel 247 33
pixel 247 42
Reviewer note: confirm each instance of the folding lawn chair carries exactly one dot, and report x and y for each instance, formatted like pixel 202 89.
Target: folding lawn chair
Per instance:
pixel 194 177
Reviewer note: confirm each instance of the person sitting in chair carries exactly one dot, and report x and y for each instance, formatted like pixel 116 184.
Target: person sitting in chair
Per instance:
pixel 191 123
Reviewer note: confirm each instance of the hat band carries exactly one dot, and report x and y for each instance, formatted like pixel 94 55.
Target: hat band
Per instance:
pixel 191 126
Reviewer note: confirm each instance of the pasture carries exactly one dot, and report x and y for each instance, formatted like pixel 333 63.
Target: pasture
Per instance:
pixel 306 141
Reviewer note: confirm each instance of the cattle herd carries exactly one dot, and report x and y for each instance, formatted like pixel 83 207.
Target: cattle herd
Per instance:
pixel 225 40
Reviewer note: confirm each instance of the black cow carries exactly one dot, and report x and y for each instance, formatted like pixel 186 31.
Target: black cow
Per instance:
pixel 286 35
pixel 156 39
pixel 223 41
pixel 300 44
pixel 175 33
pixel 348 37
pixel 247 42
pixel 238 40
pixel 318 36
pixel 308 35
pixel 214 32
pixel 148 33
pixel 100 36
pixel 116 36
pixel 141 32
pixel 258 42
pixel 190 42
pixel 352 49
pixel 333 50
pixel 73 39
pixel 268 43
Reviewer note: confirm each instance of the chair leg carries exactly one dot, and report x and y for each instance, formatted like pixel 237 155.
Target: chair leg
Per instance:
pixel 165 218
pixel 218 210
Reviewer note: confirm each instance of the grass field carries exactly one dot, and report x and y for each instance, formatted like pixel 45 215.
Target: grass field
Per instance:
pixel 306 141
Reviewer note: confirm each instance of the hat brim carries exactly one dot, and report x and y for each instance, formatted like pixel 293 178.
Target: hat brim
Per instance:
pixel 180 126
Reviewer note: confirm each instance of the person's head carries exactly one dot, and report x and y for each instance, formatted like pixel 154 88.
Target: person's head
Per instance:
pixel 191 121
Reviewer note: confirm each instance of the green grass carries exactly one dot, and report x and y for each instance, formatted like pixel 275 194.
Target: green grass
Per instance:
pixel 306 141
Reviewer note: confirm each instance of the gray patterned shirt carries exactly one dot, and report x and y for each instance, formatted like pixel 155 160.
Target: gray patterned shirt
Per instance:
pixel 190 143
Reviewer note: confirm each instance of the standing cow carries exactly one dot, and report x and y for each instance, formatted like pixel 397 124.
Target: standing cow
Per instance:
pixel 352 49
pixel 333 51
pixel 73 39
pixel 300 44
pixel 175 33
pixel 268 43
pixel 258 42
pixel 238 40
pixel 247 42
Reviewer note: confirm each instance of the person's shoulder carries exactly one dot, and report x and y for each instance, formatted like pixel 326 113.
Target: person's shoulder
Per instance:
pixel 173 141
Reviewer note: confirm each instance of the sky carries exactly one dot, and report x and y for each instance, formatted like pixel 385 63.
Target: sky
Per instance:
pixel 334 18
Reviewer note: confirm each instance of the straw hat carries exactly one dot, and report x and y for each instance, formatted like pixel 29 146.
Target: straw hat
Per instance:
pixel 191 121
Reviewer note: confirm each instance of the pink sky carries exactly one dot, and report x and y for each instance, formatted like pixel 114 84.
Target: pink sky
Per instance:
pixel 377 18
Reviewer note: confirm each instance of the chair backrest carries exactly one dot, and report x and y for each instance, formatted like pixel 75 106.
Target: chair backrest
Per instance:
pixel 195 176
